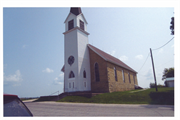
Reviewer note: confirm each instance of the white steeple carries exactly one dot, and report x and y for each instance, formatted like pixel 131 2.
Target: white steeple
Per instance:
pixel 76 54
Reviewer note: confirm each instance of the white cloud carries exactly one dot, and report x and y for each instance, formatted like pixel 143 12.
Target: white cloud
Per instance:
pixel 123 58
pixel 48 70
pixel 112 52
pixel 14 79
pixel 140 57
pixel 59 80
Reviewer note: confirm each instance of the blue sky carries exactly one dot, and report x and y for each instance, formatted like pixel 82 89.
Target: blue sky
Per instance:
pixel 33 44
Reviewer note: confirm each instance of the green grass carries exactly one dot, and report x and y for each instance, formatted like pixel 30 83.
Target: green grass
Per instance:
pixel 164 96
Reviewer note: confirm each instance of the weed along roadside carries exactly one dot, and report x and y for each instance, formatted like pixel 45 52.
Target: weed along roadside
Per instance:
pixel 164 96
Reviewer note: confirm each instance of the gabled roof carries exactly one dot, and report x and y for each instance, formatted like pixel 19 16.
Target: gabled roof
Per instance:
pixel 74 13
pixel 110 58
pixel 62 69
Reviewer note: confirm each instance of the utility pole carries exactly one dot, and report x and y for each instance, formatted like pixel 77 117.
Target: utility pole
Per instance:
pixel 153 70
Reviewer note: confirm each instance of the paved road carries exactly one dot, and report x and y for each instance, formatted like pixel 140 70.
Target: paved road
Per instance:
pixel 85 109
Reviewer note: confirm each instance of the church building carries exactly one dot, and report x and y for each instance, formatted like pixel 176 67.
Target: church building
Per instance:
pixel 87 68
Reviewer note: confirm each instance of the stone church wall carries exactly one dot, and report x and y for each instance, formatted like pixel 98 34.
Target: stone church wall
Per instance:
pixel 107 81
pixel 102 85
pixel 120 85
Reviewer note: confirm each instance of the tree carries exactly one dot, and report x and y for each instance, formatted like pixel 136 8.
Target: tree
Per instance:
pixel 172 26
pixel 168 73
pixel 152 85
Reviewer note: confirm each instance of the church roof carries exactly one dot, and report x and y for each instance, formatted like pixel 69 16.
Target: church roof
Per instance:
pixel 63 68
pixel 110 58
pixel 76 10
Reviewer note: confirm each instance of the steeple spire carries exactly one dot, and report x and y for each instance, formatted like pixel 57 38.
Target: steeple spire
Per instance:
pixel 76 10
pixel 76 54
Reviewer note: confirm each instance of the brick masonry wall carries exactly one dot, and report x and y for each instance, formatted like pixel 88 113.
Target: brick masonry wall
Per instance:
pixel 102 85
pixel 107 81
pixel 120 85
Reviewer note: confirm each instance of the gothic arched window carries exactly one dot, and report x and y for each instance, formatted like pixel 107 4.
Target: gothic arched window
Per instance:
pixel 96 69
pixel 71 74
pixel 84 74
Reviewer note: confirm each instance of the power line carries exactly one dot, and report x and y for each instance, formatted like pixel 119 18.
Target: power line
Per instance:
pixel 144 63
pixel 164 44
pixel 154 49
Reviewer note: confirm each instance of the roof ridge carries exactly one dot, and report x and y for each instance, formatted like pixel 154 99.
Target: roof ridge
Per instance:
pixel 96 52
pixel 110 58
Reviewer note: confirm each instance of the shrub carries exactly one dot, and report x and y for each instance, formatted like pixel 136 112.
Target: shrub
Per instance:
pixel 152 85
pixel 160 86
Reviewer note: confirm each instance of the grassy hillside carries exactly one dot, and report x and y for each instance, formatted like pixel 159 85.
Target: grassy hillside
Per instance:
pixel 164 96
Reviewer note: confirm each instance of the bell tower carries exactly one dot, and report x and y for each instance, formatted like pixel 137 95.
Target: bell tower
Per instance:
pixel 76 54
